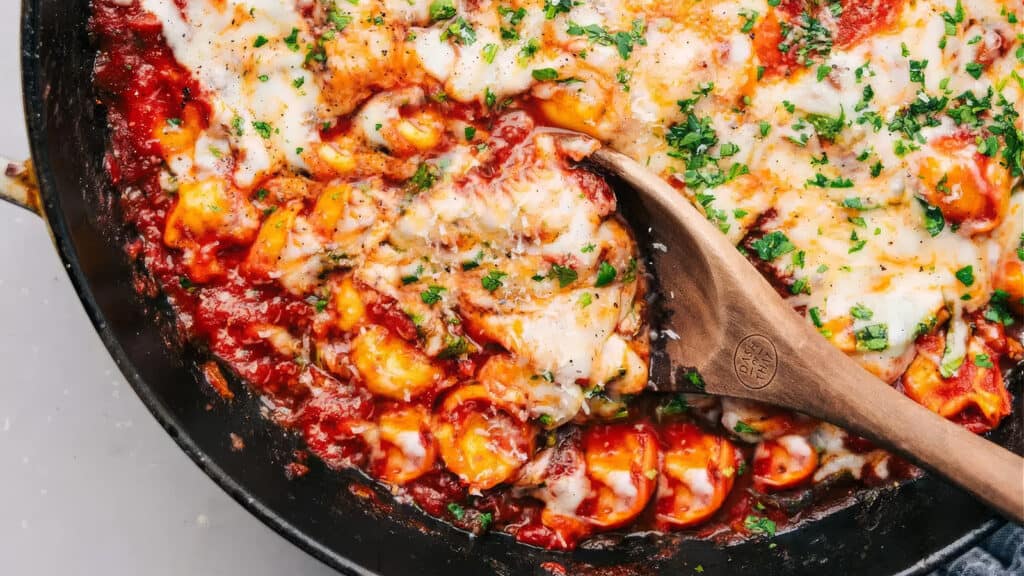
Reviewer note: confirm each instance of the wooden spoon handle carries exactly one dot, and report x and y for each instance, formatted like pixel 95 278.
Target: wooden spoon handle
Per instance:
pixel 747 342
pixel 853 398
pixel 812 376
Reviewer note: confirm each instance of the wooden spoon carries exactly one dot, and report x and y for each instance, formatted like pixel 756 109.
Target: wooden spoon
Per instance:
pixel 746 342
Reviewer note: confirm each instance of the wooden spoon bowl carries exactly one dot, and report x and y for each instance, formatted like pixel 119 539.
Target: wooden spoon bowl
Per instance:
pixel 743 340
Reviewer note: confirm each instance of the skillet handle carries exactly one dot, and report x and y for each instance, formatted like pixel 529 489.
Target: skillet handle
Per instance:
pixel 18 185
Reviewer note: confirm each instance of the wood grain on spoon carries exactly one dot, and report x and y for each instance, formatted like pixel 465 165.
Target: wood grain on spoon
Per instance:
pixel 746 342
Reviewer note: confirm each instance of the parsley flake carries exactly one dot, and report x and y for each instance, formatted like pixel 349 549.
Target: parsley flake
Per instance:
pixel 493 280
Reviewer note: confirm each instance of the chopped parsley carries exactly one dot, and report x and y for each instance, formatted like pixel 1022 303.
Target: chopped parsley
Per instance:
pixel 432 295
pixel 696 380
pixel 714 214
pixel 950 365
pixel 264 129
pixel 513 18
pixel 856 203
pixel 485 519
pixel 586 299
pixel 858 244
pixel 920 113
pixel 864 71
pixel 966 275
pixel 292 40
pixel 414 277
pixel 1005 125
pixel 489 52
pixel 917 68
pixel 691 141
pixel 424 177
pixel 874 338
pixel 564 274
pixel 742 427
pixel 454 347
pixel 867 96
pixel 493 280
pixel 457 511
pixel 528 50
pixel 442 10
pixel 934 222
pixel 623 76
pixel 553 8
pixel 808 37
pixel 749 19
pixel 952 20
pixel 815 314
pixel 605 274
pixel 822 181
pixel 759 525
pixel 545 74
pixel 926 326
pixel 861 312
pixel 772 245
pixel 676 405
pixel 997 310
pixel 624 42
pixel 474 263
pixel 460 32
pixel 827 127
pixel 340 20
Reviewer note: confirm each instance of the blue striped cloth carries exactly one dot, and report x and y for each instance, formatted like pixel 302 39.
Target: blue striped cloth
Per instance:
pixel 1001 554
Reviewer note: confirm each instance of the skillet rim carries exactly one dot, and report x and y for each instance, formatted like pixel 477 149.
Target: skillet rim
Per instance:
pixel 33 94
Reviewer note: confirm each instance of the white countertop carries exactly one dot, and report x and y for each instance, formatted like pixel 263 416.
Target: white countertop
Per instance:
pixel 89 483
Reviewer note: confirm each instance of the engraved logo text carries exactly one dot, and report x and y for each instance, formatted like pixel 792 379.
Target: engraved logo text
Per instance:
pixel 755 361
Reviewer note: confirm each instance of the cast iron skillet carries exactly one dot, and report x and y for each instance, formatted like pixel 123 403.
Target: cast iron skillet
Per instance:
pixel 907 529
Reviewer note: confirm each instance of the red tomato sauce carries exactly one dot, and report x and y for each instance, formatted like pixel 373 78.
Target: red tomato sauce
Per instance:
pixel 778 51
pixel 142 83
pixel 864 18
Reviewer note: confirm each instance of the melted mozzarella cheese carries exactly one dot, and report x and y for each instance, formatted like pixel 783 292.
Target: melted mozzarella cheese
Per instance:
pixel 698 480
pixel 564 493
pixel 411 444
pixel 267 100
pixel 621 483
pixel 797 446
pixel 249 57
pixel 558 477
